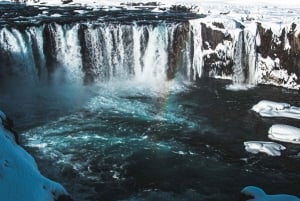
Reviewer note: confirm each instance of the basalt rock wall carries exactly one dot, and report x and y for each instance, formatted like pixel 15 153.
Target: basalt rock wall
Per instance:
pixel 92 51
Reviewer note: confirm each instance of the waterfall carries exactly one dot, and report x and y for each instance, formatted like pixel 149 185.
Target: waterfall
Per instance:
pixel 240 59
pixel 88 52
pixel 197 48
pixel 16 54
pixel 244 58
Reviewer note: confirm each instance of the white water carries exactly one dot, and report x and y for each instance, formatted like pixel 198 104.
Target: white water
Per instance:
pixel 197 62
pixel 116 51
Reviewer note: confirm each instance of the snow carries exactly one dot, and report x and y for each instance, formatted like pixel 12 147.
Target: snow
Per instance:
pixel 20 179
pixel 285 133
pixel 239 87
pixel 270 148
pixel 261 10
pixel 270 73
pixel 259 195
pixel 274 109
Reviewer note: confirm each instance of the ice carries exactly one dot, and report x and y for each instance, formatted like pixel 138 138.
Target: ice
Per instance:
pixel 285 133
pixel 269 73
pixel 275 109
pixel 270 148
pixel 56 15
pixel 20 177
pixel 239 87
pixel 257 194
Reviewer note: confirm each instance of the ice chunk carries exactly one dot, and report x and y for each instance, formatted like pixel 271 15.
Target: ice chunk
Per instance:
pixel 285 133
pixel 274 109
pixel 257 194
pixel 270 148
pixel 239 87
pixel 269 105
pixel 56 15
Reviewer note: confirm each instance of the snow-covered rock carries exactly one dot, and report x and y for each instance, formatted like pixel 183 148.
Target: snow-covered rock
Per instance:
pixel 285 133
pixel 20 179
pixel 270 148
pixel 274 109
pixel 252 193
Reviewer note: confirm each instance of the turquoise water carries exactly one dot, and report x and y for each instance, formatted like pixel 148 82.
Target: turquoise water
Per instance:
pixel 174 141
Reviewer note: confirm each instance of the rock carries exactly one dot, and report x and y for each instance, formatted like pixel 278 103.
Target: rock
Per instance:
pixel 64 198
pixel 66 1
pixel 9 125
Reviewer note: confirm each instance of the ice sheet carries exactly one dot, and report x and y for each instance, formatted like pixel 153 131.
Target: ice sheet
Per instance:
pixel 270 148
pixel 285 133
pixel 275 109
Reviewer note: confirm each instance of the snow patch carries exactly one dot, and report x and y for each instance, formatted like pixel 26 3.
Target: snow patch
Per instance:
pixel 239 87
pixel 267 108
pixel 270 148
pixel 284 133
pixel 20 178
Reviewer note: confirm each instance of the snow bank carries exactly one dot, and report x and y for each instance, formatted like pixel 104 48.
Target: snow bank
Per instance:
pixel 239 87
pixel 285 133
pixel 270 148
pixel 256 194
pixel 274 109
pixel 20 179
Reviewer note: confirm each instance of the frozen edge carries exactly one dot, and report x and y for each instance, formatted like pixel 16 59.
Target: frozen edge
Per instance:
pixel 253 193
pixel 20 179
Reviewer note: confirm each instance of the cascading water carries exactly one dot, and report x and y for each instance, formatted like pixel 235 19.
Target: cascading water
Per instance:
pixel 245 59
pixel 97 52
pixel 196 41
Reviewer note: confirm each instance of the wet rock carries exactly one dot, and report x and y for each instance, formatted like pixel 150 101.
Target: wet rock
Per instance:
pixel 175 49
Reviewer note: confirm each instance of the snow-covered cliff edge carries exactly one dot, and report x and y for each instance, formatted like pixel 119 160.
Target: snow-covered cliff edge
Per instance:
pixel 20 179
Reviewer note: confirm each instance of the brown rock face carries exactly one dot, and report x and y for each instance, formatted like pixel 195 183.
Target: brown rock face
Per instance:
pixel 217 62
pixel 64 198
pixel 176 48
pixel 285 47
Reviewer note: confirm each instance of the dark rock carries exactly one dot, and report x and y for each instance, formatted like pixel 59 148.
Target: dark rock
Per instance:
pixel 274 47
pixel 217 62
pixel 175 49
pixel 64 198
pixel 213 37
pixel 66 1
pixel 219 25
pixel 180 8
pixel 8 124
pixel 244 197
pixel 225 13
pixel 50 49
